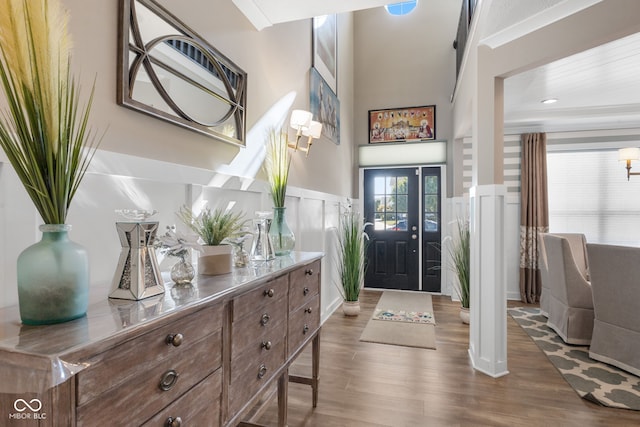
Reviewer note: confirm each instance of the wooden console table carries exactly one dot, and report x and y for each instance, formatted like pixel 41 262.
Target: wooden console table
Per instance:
pixel 199 356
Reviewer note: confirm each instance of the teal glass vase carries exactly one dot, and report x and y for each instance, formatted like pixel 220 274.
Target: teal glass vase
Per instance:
pixel 53 278
pixel 281 236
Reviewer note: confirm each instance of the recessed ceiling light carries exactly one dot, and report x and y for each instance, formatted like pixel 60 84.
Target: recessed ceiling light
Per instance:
pixel 549 101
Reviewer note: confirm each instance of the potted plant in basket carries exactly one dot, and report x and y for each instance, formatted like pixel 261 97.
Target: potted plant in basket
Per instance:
pixel 277 164
pixel 352 262
pixel 214 228
pixel 43 132
pixel 460 254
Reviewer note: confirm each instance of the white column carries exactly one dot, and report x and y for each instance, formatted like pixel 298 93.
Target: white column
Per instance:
pixel 488 332
pixel 488 326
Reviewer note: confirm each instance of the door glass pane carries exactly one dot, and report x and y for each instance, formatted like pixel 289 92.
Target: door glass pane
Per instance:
pixel 402 203
pixel 402 187
pixel 391 185
pixel 390 221
pixel 378 222
pixel 431 203
pixel 378 185
pixel 430 185
pixel 401 222
pixel 379 203
pixel 430 222
pixel 391 203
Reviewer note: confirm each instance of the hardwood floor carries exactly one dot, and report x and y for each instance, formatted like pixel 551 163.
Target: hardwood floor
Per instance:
pixel 367 384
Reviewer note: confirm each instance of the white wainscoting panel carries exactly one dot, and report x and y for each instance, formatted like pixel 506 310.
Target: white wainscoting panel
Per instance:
pixel 117 181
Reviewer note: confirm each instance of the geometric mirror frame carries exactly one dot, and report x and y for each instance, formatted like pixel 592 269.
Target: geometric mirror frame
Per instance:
pixel 168 71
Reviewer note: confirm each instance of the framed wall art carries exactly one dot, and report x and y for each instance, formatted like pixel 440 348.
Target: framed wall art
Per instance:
pixel 324 106
pixel 402 124
pixel 325 49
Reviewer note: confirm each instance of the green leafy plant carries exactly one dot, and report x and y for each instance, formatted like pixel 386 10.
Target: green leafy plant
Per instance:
pixel 460 253
pixel 277 163
pixel 213 227
pixel 43 131
pixel 352 253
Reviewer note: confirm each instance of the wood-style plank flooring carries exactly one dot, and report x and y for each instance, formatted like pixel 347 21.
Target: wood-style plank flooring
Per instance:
pixel 367 384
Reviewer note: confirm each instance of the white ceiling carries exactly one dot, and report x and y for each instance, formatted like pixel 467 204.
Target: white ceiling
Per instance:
pixel 596 89
pixel 264 13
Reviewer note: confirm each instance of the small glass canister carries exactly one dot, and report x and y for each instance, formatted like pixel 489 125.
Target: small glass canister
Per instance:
pixel 262 247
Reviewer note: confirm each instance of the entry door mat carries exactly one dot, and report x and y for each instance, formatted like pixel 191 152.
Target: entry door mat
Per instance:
pixel 415 327
pixel 592 380
pixel 403 316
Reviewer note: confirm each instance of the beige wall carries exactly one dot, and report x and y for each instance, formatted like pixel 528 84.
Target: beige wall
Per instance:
pixel 405 61
pixel 276 59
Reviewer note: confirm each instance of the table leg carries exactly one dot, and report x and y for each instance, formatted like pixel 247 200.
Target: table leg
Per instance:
pixel 283 392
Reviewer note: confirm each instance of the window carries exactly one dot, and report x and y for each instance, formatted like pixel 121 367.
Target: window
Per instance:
pixel 402 8
pixel 391 201
pixel 589 193
pixel 431 204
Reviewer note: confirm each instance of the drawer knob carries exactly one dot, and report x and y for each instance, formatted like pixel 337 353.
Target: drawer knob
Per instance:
pixel 305 329
pixel 308 272
pixel 265 319
pixel 305 291
pixel 266 345
pixel 308 310
pixel 262 372
pixel 174 339
pixel 269 293
pixel 173 422
pixel 168 380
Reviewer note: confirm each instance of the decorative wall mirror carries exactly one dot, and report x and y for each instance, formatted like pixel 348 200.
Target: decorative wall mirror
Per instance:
pixel 168 71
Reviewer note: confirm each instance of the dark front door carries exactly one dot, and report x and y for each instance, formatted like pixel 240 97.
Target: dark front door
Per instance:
pixel 391 204
pixel 431 229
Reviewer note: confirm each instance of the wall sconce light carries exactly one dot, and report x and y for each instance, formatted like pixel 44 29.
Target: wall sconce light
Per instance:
pixel 301 121
pixel 313 132
pixel 628 154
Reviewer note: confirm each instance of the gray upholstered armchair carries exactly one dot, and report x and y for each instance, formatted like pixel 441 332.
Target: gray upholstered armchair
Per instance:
pixel 570 304
pixel 616 302
pixel 578 244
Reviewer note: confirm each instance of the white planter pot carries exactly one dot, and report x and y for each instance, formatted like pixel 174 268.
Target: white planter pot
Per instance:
pixel 464 315
pixel 215 260
pixel 351 308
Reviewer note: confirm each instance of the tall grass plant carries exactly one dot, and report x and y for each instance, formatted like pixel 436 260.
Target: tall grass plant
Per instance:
pixel 277 164
pixel 460 253
pixel 44 128
pixel 352 252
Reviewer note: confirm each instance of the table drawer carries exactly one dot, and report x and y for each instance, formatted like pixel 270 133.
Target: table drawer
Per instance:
pixel 266 323
pixel 304 284
pixel 153 387
pixel 303 323
pixel 200 406
pixel 249 373
pixel 259 297
pixel 118 364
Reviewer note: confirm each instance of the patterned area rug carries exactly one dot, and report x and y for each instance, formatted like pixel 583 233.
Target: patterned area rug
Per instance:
pixel 592 380
pixel 403 316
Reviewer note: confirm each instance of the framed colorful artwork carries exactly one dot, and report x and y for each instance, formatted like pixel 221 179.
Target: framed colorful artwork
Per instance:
pixel 324 106
pixel 325 49
pixel 402 124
